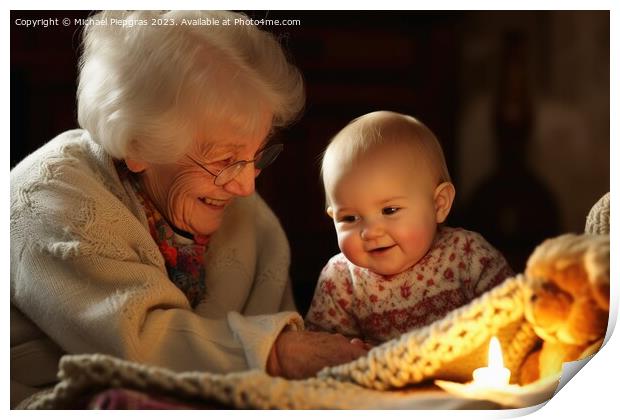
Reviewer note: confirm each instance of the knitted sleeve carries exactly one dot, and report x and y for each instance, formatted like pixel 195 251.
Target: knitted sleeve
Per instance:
pixel 487 266
pixel 330 309
pixel 85 270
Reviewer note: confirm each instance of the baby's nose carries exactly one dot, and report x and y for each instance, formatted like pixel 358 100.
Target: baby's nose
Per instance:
pixel 371 231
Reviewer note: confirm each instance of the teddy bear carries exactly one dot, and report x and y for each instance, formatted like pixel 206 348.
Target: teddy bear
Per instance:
pixel 567 295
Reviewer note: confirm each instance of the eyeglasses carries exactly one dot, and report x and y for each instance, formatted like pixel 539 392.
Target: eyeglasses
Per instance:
pixel 262 159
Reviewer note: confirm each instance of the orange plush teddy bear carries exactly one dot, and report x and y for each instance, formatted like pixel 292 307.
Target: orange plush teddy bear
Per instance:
pixel 567 298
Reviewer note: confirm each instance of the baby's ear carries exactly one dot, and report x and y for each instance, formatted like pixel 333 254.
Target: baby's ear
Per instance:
pixel 444 197
pixel 136 166
pixel 330 212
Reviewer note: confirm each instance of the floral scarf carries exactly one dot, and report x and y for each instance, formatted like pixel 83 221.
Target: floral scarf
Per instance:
pixel 184 262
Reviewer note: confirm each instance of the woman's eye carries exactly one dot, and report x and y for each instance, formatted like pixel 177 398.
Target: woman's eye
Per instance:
pixel 389 210
pixel 221 162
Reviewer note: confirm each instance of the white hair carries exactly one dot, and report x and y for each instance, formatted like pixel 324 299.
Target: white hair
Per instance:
pixel 147 90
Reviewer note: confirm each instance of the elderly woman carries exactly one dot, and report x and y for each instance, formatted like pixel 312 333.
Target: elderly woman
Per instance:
pixel 140 235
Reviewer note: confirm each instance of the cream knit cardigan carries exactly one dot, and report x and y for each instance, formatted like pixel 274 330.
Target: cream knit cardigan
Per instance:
pixel 86 276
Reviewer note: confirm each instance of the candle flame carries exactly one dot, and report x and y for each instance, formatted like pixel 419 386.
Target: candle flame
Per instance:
pixel 494 375
pixel 496 360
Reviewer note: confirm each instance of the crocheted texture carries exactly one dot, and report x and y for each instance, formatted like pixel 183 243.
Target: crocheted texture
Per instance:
pixel 450 348
pixel 597 221
pixel 84 375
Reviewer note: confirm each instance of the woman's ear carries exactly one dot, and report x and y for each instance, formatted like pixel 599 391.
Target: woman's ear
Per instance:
pixel 136 166
pixel 330 212
pixel 444 197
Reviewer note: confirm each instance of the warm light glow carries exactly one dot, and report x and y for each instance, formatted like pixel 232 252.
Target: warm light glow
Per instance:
pixel 495 374
pixel 492 383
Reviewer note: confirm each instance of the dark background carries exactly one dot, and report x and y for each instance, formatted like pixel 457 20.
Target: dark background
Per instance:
pixel 518 99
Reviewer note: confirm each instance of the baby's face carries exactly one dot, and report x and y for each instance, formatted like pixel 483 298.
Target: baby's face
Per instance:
pixel 383 210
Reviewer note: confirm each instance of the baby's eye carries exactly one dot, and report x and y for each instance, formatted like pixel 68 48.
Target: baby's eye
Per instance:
pixel 389 210
pixel 347 219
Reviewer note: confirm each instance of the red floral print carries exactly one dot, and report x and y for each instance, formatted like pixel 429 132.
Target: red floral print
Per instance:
pixel 349 288
pixel 329 286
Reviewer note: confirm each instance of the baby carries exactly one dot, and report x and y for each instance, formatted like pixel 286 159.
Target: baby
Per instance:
pixel 388 192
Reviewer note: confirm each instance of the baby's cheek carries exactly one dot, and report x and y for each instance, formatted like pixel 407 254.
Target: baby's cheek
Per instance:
pixel 350 246
pixel 417 240
pixel 411 235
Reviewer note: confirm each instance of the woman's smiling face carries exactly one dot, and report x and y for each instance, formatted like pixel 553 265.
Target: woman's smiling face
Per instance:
pixel 185 193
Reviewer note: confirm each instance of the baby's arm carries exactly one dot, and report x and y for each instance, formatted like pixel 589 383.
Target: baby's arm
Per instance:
pixel 330 309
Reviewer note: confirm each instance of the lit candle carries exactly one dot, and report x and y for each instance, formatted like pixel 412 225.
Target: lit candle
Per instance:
pixel 495 375
pixel 491 383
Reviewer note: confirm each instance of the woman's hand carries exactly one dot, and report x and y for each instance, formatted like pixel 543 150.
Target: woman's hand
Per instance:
pixel 301 354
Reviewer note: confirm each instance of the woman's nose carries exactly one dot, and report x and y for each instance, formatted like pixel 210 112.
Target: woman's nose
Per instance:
pixel 243 184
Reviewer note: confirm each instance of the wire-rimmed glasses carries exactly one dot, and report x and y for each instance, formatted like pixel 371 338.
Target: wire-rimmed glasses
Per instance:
pixel 262 159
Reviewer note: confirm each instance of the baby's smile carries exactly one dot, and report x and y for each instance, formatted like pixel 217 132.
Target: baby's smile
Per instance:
pixel 380 250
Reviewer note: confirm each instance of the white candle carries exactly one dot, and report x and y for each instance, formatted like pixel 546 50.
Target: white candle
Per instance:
pixel 494 375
